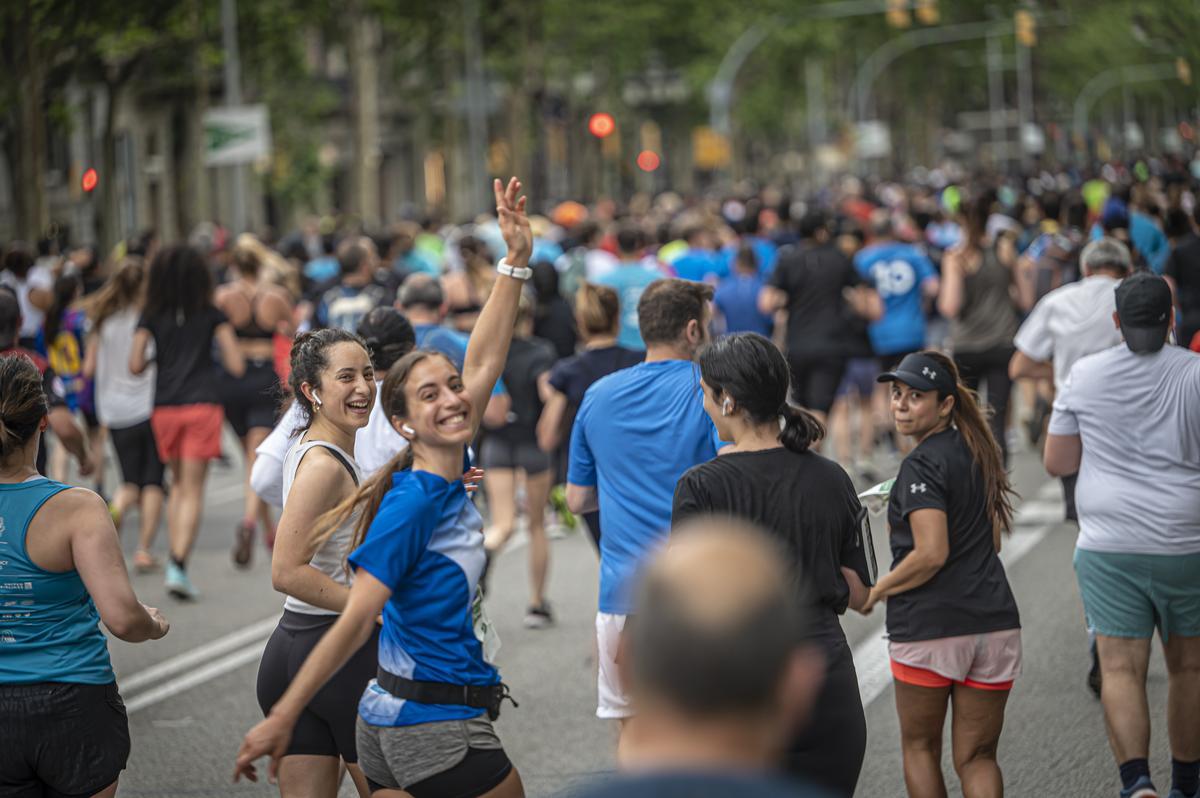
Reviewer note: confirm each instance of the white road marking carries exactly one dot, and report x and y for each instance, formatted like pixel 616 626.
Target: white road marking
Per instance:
pixel 199 676
pixel 871 655
pixel 246 636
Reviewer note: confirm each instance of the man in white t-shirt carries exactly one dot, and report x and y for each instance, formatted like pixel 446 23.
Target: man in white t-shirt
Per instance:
pixel 33 283
pixel 1128 420
pixel 1070 322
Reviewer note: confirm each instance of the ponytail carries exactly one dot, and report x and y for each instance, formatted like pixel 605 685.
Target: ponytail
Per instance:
pixel 364 503
pixel 971 420
pixel 801 429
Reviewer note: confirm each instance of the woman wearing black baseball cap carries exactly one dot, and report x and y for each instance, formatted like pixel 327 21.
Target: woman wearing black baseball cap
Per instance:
pixel 952 622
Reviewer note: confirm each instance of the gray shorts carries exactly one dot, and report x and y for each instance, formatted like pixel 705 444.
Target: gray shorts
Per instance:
pixel 496 452
pixel 396 757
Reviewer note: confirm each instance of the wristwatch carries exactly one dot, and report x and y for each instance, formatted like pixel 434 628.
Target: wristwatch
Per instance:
pixel 517 272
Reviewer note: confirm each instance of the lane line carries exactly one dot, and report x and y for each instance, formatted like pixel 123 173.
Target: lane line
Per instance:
pixel 871 654
pixel 246 636
pixel 197 677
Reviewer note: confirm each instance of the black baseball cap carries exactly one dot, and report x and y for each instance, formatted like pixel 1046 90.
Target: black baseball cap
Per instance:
pixel 923 373
pixel 1144 310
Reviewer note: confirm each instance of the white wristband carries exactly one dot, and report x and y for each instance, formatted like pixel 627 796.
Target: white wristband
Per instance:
pixel 516 272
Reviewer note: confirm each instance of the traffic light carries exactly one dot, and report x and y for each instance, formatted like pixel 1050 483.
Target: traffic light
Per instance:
pixel 1026 28
pixel 89 181
pixel 927 12
pixel 648 160
pixel 601 125
pixel 897 14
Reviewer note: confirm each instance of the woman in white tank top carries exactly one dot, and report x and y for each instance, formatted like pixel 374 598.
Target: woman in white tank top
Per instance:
pixel 334 385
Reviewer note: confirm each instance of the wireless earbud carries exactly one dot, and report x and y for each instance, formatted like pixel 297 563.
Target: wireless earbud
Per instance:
pixel 316 399
pixel 408 430
pixel 726 407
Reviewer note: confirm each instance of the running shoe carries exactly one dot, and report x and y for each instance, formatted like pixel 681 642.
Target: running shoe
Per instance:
pixel 144 562
pixel 1094 679
pixel 243 544
pixel 178 584
pixel 558 500
pixel 539 617
pixel 1142 788
pixel 115 513
pixel 1177 793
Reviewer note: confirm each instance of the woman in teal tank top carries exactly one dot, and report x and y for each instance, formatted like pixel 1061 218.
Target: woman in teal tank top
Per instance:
pixel 63 723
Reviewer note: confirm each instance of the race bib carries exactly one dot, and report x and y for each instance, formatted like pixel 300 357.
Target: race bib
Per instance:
pixel 485 631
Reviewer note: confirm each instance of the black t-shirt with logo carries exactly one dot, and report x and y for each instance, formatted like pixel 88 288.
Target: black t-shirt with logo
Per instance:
pixel 807 503
pixel 970 593
pixel 185 369
pixel 819 320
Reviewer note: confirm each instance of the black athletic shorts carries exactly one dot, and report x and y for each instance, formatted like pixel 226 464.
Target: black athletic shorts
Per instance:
pixel 327 725
pixel 252 400
pixel 61 740
pixel 137 454
pixel 480 771
pixel 498 452
pixel 828 751
pixel 815 379
pixel 891 362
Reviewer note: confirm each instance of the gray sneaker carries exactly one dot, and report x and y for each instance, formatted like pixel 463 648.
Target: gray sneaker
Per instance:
pixel 539 617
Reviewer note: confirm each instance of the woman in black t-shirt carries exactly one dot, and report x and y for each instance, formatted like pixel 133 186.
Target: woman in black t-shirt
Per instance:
pixel 952 622
pixel 769 477
pixel 598 315
pixel 185 327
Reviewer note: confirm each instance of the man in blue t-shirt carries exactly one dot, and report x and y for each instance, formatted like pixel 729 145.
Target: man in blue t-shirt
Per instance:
pixel 636 432
pixel 904 277
pixel 700 262
pixel 347 303
pixel 737 296
pixel 629 280
pixel 424 303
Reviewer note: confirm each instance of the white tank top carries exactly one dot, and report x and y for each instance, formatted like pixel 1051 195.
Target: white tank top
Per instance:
pixel 330 559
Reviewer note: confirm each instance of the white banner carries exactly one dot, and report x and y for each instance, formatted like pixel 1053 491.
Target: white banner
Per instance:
pixel 236 135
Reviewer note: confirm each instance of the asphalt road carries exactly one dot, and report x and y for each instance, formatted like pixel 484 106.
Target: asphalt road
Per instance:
pixel 191 696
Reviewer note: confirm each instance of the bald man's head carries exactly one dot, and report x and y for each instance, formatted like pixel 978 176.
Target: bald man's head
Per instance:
pixel 715 626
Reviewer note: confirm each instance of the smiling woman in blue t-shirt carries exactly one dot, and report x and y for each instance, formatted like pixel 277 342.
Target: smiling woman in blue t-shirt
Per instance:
pixel 422 728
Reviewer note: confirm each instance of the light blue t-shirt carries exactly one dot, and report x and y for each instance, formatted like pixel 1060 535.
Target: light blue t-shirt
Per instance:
pixel 637 431
pixel 765 251
pixel 426 544
pixel 897 270
pixel 629 280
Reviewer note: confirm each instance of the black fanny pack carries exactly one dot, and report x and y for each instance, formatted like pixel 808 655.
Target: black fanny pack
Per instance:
pixel 479 696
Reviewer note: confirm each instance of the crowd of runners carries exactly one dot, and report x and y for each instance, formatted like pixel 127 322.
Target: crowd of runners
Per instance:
pixel 664 370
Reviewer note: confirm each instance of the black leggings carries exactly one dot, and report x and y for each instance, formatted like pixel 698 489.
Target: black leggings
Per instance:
pixel 990 368
pixel 326 727
pixel 829 750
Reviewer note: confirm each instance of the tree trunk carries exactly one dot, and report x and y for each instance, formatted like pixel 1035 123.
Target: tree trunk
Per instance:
pixel 31 130
pixel 111 230
pixel 193 175
pixel 363 48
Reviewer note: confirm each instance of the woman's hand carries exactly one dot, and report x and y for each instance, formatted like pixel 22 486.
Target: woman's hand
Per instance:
pixel 872 598
pixel 514 224
pixel 472 478
pixel 270 737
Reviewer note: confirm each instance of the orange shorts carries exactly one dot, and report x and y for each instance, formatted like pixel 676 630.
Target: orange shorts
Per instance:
pixel 988 661
pixel 188 432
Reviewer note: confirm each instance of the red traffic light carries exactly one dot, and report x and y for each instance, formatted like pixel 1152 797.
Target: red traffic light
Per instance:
pixel 90 180
pixel 648 160
pixel 601 125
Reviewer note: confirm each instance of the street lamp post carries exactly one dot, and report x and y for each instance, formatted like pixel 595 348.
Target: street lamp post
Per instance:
pixel 1112 78
pixel 233 97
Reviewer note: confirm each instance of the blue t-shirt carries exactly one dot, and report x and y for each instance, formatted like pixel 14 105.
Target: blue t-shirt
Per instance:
pixel 450 343
pixel 629 280
pixel 737 299
pixel 699 265
pixel 426 544
pixel 636 433
pixel 897 270
pixel 1150 242
pixel 765 251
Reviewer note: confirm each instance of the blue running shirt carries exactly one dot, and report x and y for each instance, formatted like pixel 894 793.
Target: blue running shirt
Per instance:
pixel 897 271
pixel 637 431
pixel 426 544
